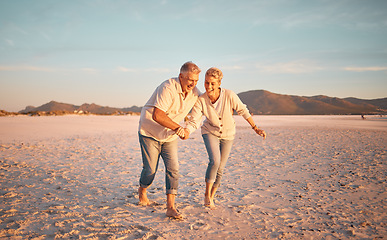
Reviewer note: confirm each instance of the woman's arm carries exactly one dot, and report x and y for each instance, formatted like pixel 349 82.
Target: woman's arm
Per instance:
pixel 242 110
pixel 194 118
pixel 260 132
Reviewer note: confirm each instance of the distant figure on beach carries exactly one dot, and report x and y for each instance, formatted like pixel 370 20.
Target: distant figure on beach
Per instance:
pixel 217 105
pixel 362 117
pixel 159 130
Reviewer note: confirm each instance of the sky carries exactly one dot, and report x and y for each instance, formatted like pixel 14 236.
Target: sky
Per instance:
pixel 115 53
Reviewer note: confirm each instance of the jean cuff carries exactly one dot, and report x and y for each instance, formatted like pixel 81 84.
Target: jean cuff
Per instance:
pixel 210 180
pixel 144 186
pixel 172 191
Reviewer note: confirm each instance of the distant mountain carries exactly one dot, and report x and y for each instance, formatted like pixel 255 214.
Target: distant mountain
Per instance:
pixel 132 109
pixel 27 109
pixel 96 109
pixel 54 106
pixel 258 102
pixel 265 102
pixel 380 102
pixel 50 107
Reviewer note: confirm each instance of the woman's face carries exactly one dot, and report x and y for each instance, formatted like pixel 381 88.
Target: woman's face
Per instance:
pixel 211 84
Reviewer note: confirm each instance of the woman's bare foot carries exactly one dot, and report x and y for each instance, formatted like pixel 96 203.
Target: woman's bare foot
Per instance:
pixel 143 199
pixel 174 213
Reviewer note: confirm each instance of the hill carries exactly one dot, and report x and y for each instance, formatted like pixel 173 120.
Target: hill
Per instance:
pixel 57 108
pixel 51 107
pixel 258 102
pixel 380 102
pixel 265 102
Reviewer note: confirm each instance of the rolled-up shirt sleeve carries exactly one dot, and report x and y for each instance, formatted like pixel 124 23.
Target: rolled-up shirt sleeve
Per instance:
pixel 194 118
pixel 164 98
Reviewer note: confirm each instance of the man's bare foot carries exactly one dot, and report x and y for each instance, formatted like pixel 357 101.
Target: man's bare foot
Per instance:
pixel 174 213
pixel 209 202
pixel 143 199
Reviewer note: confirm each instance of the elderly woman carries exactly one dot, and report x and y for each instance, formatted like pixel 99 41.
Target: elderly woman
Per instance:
pixel 218 130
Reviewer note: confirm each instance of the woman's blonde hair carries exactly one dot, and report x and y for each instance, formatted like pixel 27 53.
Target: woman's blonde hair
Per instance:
pixel 215 73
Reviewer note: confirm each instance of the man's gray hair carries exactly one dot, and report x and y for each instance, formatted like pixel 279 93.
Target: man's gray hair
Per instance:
pixel 190 67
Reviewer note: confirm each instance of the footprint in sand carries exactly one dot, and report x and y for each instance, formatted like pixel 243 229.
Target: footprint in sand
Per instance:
pixel 199 225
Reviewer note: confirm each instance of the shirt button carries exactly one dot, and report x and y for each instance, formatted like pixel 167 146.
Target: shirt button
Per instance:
pixel 221 125
pixel 220 132
pixel 220 118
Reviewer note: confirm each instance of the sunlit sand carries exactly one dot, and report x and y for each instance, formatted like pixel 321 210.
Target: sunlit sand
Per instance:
pixel 320 177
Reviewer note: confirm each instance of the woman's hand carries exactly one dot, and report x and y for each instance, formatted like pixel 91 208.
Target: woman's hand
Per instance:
pixel 260 132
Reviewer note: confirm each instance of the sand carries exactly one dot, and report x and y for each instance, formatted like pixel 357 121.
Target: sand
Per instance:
pixel 76 177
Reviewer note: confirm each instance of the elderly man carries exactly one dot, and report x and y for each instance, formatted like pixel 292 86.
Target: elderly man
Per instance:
pixel 159 130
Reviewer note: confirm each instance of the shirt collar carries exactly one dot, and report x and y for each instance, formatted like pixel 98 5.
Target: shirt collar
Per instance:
pixel 178 86
pixel 180 90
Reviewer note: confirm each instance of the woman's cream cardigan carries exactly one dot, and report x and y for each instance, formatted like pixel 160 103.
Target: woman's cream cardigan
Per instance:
pixel 221 125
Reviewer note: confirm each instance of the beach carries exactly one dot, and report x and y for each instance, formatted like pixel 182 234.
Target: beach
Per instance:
pixel 76 177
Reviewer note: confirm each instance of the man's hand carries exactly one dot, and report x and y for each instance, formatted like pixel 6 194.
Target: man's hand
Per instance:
pixel 161 118
pixel 183 133
pixel 180 132
pixel 186 134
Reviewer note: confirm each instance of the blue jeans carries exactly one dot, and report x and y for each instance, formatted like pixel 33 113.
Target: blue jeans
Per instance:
pixel 151 151
pixel 218 151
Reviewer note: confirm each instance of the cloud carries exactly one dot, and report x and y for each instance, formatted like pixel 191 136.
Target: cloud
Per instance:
pixel 139 70
pixel 26 68
pixel 90 70
pixel 293 67
pixel 10 42
pixel 353 15
pixel 365 69
pixel 234 67
pixel 45 36
pixel 124 69
pixel 45 69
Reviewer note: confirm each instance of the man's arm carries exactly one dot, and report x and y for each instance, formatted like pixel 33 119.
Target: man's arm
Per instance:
pixel 162 118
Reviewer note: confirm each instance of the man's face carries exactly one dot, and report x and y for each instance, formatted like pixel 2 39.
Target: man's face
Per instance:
pixel 188 81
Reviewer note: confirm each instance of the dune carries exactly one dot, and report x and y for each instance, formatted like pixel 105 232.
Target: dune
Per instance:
pixel 314 177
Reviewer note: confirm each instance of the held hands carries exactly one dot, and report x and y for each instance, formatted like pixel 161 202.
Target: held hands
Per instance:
pixel 260 132
pixel 183 133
